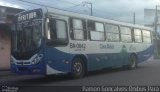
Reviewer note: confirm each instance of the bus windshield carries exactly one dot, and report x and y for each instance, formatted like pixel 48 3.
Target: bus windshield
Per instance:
pixel 26 39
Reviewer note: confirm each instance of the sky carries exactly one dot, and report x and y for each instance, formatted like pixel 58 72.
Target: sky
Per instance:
pixel 120 10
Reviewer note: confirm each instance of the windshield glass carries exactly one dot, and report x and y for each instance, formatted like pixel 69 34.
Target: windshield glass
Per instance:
pixel 27 37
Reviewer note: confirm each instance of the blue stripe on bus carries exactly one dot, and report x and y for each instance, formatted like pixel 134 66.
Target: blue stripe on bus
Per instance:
pixel 56 58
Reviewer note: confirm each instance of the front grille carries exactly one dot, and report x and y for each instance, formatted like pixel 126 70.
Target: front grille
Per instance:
pixel 19 63
pixel 26 63
pixel 22 56
pixel 23 63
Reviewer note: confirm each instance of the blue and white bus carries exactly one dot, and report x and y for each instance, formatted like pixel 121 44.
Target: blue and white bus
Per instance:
pixel 50 41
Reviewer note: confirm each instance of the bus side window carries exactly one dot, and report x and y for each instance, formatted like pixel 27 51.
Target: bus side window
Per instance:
pixel 61 29
pixel 91 25
pixel 112 33
pixel 137 35
pixel 96 31
pixel 57 32
pixel 78 31
pixel 126 34
pixel 146 36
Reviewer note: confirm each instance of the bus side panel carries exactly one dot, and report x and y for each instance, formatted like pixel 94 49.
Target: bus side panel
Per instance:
pixel 100 61
pixel 106 54
pixel 146 54
pixel 56 57
pixel 57 61
pixel 103 60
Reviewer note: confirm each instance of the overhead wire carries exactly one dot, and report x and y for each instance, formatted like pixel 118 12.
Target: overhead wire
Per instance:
pixel 75 5
pixel 67 2
pixel 37 4
pixel 47 6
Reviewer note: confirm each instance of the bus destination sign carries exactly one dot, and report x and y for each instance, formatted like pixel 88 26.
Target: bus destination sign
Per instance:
pixel 34 14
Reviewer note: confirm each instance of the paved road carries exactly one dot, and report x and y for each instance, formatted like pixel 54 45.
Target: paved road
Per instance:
pixel 148 73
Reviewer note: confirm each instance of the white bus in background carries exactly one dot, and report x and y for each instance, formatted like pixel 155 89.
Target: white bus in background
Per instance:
pixel 58 42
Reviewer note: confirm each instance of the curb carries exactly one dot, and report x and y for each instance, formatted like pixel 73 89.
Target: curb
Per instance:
pixel 6 73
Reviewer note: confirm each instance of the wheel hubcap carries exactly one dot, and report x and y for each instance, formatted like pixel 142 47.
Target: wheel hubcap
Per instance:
pixel 77 68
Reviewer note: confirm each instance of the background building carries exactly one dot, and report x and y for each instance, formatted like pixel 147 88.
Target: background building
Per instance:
pixel 6 19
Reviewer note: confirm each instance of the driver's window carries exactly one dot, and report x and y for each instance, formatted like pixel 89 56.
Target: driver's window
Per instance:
pixel 51 29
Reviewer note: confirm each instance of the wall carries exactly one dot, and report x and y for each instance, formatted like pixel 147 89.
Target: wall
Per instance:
pixel 4 48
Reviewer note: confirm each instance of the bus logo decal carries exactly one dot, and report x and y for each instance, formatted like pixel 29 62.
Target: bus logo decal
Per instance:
pixel 106 46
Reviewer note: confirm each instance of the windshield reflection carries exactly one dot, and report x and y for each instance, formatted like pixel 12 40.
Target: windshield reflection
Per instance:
pixel 27 38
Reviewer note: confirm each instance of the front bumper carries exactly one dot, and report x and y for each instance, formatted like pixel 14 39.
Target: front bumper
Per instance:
pixel 28 69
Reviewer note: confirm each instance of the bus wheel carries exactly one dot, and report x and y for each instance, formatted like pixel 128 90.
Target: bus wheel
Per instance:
pixel 77 68
pixel 132 62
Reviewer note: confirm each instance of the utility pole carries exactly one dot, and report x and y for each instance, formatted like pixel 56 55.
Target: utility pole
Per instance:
pixel 90 8
pixel 156 19
pixel 156 33
pixel 134 18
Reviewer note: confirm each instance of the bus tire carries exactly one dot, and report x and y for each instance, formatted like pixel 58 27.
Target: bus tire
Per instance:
pixel 132 62
pixel 78 70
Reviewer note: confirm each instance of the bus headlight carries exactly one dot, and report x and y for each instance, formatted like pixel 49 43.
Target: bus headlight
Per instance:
pixel 37 59
pixel 12 60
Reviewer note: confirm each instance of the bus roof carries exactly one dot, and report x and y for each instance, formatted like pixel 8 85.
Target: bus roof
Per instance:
pixel 83 16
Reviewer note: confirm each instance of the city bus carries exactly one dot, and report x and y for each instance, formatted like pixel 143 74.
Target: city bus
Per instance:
pixel 51 41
